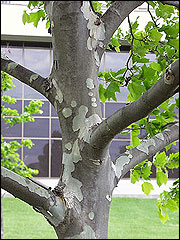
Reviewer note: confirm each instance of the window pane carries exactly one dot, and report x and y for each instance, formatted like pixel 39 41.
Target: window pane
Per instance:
pixel 55 128
pixel 56 158
pixel 14 53
pixel 38 157
pixel 39 128
pixel 53 111
pixel 112 107
pixel 17 105
pixel 37 60
pixel 14 131
pixel 44 108
pixel 114 61
pixel 16 91
pixel 30 93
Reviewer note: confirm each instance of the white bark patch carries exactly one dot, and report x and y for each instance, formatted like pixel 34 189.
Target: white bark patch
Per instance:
pixel 89 83
pixel 91 215
pixel 73 104
pixel 83 124
pixel 168 76
pixel 160 136
pixel 108 197
pixel 59 95
pixel 97 31
pixel 143 147
pixel 120 163
pixel 67 112
pixel 88 233
pixel 11 66
pixel 129 154
pixel 73 185
pixel 113 167
pixel 94 104
pixel 90 94
pixel 93 99
pixel 68 146
pixel 33 77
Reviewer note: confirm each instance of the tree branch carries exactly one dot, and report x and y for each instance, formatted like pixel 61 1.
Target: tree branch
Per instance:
pixel 41 198
pixel 126 161
pixel 115 15
pixel 32 79
pixel 173 3
pixel 138 109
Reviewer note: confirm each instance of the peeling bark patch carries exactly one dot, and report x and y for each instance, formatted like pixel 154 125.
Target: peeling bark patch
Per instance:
pixel 108 197
pixel 33 77
pixel 83 124
pixel 73 104
pixel 94 104
pixel 90 94
pixel 120 162
pixel 89 83
pixel 88 233
pixel 168 76
pixel 11 66
pixel 93 99
pixel 113 167
pixel 67 112
pixel 97 31
pixel 143 147
pixel 59 95
pixel 68 146
pixel 160 136
pixel 91 215
pixel 73 185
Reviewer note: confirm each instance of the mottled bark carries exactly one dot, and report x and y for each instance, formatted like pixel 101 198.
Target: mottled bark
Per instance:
pixel 88 177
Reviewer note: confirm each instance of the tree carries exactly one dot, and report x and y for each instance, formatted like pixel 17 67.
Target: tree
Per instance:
pixel 78 207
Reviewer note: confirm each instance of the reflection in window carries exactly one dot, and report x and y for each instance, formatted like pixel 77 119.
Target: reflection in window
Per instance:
pixel 112 107
pixel 55 128
pixel 38 157
pixel 14 131
pixel 56 158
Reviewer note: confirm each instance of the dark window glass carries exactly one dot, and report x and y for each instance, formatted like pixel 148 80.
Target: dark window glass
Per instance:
pixel 122 96
pixel 17 105
pixel 102 109
pixel 39 128
pixel 38 157
pixel 53 111
pixel 56 158
pixel 117 148
pixel 44 108
pixel 37 60
pixel 55 128
pixel 14 131
pixel 112 107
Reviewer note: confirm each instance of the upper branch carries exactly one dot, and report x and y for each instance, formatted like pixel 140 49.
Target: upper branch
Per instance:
pixel 40 84
pixel 145 150
pixel 41 198
pixel 173 3
pixel 138 109
pixel 116 14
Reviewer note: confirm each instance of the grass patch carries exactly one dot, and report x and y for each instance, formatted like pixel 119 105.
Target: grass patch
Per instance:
pixel 130 218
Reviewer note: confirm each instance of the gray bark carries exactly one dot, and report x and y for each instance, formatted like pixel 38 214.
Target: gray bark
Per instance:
pixel 79 206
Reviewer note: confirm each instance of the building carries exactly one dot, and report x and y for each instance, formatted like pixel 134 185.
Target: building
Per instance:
pixel 32 48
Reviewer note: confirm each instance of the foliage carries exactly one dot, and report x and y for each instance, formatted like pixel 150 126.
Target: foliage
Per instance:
pixel 10 157
pixel 160 37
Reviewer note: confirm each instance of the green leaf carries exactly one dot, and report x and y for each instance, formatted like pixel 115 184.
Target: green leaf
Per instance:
pixel 155 35
pixel 161 177
pixel 25 17
pixel 147 187
pixel 101 93
pixel 112 88
pixel 174 43
pixel 136 89
pixel 172 205
pixel 156 66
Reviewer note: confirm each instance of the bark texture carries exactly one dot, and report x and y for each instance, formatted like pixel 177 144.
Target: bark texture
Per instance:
pixel 79 205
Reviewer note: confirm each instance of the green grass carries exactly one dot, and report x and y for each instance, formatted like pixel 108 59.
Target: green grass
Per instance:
pixel 130 218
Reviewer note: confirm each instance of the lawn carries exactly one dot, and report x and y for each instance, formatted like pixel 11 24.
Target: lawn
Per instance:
pixel 130 218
